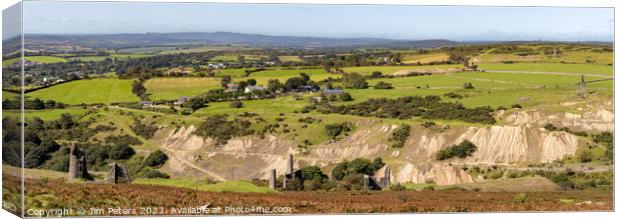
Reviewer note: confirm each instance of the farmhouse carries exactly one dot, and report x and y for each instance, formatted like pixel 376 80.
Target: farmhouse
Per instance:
pixel 182 100
pixel 232 87
pixel 332 91
pixel 250 89
pixel 217 66
pixel 305 89
pixel 146 103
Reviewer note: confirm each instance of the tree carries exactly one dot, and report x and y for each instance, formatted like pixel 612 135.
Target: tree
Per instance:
pixel 252 82
pixel 294 83
pixel 196 103
pixel 312 173
pixel 274 85
pixel 66 121
pixel 340 170
pixel 354 80
pixel 38 104
pixel 50 104
pixel 376 74
pixel 226 79
pixel 138 89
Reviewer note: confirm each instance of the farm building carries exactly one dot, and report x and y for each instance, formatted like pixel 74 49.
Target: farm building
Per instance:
pixel 332 91
pixel 232 87
pixel 146 103
pixel 182 100
pixel 250 89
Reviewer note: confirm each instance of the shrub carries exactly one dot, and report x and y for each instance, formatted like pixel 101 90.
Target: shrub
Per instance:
pixel 157 158
pixel 354 80
pixel 550 127
pixel 462 150
pixel 236 104
pixel 468 85
pixel 516 106
pixel 151 173
pixel 335 129
pixel 585 157
pixel 383 85
pixel 345 97
pixel 400 135
pixel 121 152
pixel 453 95
pixel 219 128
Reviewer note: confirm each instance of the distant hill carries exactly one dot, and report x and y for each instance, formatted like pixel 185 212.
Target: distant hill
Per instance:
pixel 259 40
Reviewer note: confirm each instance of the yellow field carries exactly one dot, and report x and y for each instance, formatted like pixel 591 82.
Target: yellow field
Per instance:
pixel 290 59
pixel 424 58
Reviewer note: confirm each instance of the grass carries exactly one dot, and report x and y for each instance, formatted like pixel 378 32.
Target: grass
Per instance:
pixel 104 91
pixel 39 59
pixel 9 95
pixel 424 58
pixel 112 56
pixel 227 186
pixel 33 173
pixel 173 88
pixel 225 58
pixel 552 67
pixel 47 115
pixel 386 70
pixel 290 59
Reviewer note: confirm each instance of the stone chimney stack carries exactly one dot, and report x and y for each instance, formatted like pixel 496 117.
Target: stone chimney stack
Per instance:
pixel 291 162
pixel 272 179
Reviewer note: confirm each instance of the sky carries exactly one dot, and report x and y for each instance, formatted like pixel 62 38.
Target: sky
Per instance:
pixel 461 23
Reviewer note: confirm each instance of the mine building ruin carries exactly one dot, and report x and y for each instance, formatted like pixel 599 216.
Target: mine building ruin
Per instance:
pixel 117 174
pixel 77 164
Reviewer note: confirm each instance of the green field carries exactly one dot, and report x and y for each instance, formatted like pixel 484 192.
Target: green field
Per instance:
pixel 290 59
pixel 104 91
pixel 9 95
pixel 386 70
pixel 551 67
pixel 47 115
pixel 173 88
pixel 227 186
pixel 112 56
pixel 39 59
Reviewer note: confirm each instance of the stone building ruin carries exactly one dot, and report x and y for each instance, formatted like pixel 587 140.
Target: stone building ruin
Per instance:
pixel 117 174
pixel 77 164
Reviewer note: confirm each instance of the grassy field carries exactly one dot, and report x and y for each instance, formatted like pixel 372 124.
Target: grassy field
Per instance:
pixel 424 58
pixel 173 88
pixel 290 59
pixel 227 186
pixel 9 95
pixel 39 59
pixel 46 115
pixel 112 56
pixel 552 67
pixel 204 49
pixel 88 91
pixel 391 69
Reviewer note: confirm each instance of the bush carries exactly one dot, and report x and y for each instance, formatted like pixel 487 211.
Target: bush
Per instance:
pixel 219 128
pixel 236 104
pixel 345 97
pixel 335 129
pixel 383 85
pixel 354 80
pixel 462 150
pixel 585 157
pixel 468 85
pixel 516 106
pixel 121 152
pixel 157 158
pixel 400 135
pixel 453 95
pixel 151 173
pixel 550 127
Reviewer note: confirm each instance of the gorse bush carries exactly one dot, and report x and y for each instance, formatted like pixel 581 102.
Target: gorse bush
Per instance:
pixel 221 129
pixel 464 149
pixel 157 158
pixel 336 129
pixel 429 107
pixel 400 135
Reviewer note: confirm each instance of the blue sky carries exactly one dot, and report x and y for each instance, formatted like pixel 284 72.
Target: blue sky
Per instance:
pixel 395 22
